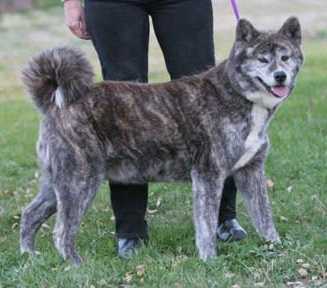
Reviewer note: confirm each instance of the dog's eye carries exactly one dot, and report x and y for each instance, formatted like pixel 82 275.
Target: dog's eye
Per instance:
pixel 263 60
pixel 285 58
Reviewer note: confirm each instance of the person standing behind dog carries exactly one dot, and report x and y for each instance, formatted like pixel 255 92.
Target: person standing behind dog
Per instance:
pixel 119 31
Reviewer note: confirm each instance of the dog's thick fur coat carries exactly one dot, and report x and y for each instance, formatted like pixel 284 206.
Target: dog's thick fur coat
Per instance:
pixel 202 128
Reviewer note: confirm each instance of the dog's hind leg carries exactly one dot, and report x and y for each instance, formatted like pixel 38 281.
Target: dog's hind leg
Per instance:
pixel 74 195
pixel 207 191
pixel 36 213
pixel 251 182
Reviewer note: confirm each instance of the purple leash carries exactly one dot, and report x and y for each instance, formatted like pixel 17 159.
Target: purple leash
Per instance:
pixel 235 9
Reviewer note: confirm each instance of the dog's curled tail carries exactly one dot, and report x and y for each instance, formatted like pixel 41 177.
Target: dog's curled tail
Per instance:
pixel 58 76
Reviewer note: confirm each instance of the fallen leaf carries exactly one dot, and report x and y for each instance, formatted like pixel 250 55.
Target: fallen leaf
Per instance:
pixel 270 184
pixel 303 272
pixel 140 270
pixel 306 265
pixel 67 268
pixel 128 277
pixel 45 226
pixel 14 226
pixel 229 275
pixel 296 284
pixel 283 218
pixel 289 189
pixel 152 211
pixel 256 275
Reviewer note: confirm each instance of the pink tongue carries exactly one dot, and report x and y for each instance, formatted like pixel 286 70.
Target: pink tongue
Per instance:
pixel 280 91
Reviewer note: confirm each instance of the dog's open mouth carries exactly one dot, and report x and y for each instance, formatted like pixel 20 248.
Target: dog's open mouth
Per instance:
pixel 279 91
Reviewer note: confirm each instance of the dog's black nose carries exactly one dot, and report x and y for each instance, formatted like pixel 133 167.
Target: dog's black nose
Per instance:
pixel 280 77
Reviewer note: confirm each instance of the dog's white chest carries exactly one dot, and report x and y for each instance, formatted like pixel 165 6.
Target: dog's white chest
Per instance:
pixel 254 140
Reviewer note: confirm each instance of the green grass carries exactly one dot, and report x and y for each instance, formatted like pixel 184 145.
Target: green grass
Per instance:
pixel 43 4
pixel 296 165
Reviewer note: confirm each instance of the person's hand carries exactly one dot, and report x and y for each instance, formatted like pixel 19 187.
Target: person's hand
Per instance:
pixel 75 18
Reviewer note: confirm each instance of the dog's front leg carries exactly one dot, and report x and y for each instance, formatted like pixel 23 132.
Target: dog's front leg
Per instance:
pixel 251 182
pixel 207 190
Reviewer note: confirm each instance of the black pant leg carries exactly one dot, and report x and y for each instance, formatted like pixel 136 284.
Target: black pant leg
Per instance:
pixel 120 33
pixel 129 203
pixel 228 201
pixel 184 29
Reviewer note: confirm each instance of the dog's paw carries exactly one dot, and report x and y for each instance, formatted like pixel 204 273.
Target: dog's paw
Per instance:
pixel 274 239
pixel 27 249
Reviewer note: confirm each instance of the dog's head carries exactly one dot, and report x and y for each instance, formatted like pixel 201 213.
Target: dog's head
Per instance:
pixel 263 66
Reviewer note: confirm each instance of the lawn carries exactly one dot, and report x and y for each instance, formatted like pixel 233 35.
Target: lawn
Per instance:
pixel 296 166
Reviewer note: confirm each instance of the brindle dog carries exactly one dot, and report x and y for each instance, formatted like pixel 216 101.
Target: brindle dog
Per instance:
pixel 204 128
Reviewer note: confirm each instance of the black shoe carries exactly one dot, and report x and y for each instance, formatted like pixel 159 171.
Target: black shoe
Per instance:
pixel 127 247
pixel 231 230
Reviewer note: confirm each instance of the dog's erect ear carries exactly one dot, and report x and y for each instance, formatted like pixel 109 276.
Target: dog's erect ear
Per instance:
pixel 245 32
pixel 292 30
